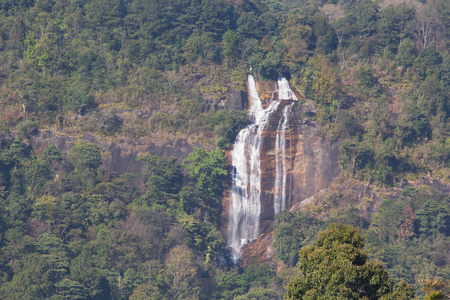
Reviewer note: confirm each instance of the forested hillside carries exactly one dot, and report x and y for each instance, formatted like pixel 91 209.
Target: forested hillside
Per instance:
pixel 377 73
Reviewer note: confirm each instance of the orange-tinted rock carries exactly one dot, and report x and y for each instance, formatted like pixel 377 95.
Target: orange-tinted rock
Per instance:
pixel 259 251
pixel 312 165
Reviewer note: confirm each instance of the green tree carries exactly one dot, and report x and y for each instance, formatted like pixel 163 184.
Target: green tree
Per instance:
pixel 251 284
pixel 365 77
pixel 162 177
pixel 293 230
pixel 428 61
pixel 298 39
pixel 207 169
pixel 437 289
pixel 87 270
pixel 16 153
pixel 321 83
pixel 366 13
pixel 393 25
pixel 147 291
pixel 406 53
pixel 231 285
pixel 355 156
pixel 386 220
pixel 229 45
pixel 205 237
pixel 227 125
pixel 434 218
pixel 78 98
pixel 51 153
pixel 441 151
pixel 326 38
pixel 85 155
pixel 337 268
pixel 69 289
pixel 258 293
pixel 32 279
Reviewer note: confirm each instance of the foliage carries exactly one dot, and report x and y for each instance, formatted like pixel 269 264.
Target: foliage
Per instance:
pixel 376 73
pixel 253 282
pixel 83 237
pixel 207 169
pixel 85 155
pixel 291 232
pixel 227 125
pixel 355 156
pixel 416 220
pixel 181 270
pixel 338 267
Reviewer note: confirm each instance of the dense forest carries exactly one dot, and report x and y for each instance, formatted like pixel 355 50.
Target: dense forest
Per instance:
pixel 377 72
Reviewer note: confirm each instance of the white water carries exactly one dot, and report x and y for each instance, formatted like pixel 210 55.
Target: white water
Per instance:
pixel 245 207
pixel 284 90
pixel 279 198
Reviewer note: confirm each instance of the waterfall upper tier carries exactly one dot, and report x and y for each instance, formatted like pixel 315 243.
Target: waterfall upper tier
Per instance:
pixel 284 90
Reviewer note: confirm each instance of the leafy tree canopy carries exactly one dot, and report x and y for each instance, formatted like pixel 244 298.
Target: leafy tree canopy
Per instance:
pixel 337 268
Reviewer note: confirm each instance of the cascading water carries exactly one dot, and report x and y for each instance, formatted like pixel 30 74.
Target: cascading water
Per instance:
pixel 245 206
pixel 284 90
pixel 279 198
pixel 246 176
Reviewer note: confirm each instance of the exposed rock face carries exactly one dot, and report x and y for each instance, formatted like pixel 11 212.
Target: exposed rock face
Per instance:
pixel 311 166
pixel 237 99
pixel 315 164
pixel 259 251
pixel 120 155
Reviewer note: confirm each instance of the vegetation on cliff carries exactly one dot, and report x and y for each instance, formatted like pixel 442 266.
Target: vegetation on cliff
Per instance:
pixel 376 71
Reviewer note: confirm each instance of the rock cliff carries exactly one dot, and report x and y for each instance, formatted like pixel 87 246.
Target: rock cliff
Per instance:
pixel 312 164
pixel 119 155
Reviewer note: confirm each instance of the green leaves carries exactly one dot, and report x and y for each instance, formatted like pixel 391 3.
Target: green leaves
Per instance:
pixel 229 44
pixel 355 156
pixel 434 218
pixel 78 99
pixel 51 153
pixel 85 155
pixel 69 289
pixel 340 234
pixel 292 231
pixel 337 267
pixel 162 176
pixel 207 169
pixel 227 125
pixel 251 284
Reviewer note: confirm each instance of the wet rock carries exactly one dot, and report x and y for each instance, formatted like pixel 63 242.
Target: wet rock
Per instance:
pixel 311 166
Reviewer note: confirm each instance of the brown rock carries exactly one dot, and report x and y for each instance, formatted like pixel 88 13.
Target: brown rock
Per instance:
pixel 312 164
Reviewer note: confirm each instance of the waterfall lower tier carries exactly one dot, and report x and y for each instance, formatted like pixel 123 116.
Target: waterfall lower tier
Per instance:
pixel 246 188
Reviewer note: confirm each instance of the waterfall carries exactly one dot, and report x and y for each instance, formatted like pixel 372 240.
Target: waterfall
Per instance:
pixel 279 198
pixel 284 90
pixel 245 206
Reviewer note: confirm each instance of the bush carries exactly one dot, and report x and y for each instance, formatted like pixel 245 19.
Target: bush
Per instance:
pixel 85 155
pixel 27 128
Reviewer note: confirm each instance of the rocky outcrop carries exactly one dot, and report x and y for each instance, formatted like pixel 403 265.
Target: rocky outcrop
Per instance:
pixel 236 99
pixel 312 165
pixel 315 163
pixel 259 251
pixel 119 155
